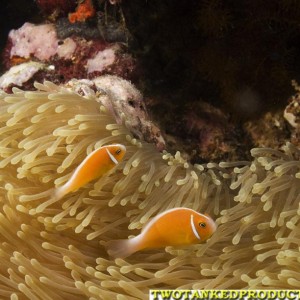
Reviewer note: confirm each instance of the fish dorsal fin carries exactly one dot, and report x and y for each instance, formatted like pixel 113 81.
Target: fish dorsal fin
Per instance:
pixel 194 228
pixel 111 157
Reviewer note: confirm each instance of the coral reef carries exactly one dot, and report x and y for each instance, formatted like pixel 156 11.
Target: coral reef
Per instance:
pixel 280 125
pixel 124 102
pixel 203 133
pixel 199 61
pixel 206 46
pixel 291 112
pixel 270 130
pixel 71 57
pixel 56 249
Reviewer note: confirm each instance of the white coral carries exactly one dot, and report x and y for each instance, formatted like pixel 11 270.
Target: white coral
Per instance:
pixel 17 75
pixel 124 102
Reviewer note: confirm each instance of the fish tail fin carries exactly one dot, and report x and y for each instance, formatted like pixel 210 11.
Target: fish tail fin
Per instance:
pixel 59 192
pixel 122 248
pixel 56 195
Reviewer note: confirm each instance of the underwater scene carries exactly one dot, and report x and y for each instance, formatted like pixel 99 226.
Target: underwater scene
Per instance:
pixel 148 144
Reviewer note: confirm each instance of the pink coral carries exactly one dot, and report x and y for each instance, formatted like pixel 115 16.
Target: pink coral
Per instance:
pixel 101 61
pixel 66 48
pixel 34 40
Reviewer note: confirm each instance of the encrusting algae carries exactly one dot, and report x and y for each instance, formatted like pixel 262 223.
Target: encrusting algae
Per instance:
pixel 57 251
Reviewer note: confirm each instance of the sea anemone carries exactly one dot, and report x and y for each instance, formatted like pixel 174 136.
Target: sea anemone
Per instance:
pixel 56 250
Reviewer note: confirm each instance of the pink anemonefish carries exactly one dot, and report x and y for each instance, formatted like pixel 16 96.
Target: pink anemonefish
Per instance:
pixel 174 227
pixel 96 164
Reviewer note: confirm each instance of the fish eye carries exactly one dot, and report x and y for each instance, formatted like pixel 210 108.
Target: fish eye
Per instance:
pixel 118 151
pixel 201 224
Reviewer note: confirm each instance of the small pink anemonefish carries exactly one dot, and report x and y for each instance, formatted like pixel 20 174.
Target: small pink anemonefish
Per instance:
pixel 174 227
pixel 96 164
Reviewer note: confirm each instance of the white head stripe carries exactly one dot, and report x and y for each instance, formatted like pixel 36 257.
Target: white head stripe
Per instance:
pixel 194 229
pixel 111 156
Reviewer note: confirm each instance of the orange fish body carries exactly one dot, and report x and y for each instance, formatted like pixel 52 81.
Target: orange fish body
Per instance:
pixel 174 227
pixel 96 164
